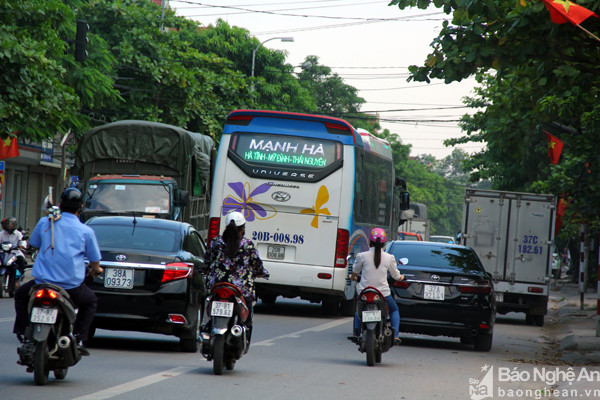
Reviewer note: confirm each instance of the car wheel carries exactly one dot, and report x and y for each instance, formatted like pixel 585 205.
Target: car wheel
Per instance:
pixel 330 306
pixel 538 320
pixel 268 298
pixel 483 342
pixel 190 344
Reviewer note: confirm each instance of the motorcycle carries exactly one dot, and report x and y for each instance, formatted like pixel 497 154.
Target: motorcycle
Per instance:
pixel 226 338
pixel 376 331
pixel 9 273
pixel 49 341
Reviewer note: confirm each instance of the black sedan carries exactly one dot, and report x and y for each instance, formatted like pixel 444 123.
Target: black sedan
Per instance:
pixel 446 292
pixel 152 280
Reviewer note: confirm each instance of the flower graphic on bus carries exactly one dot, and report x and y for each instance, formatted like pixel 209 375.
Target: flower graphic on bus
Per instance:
pixel 322 198
pixel 244 203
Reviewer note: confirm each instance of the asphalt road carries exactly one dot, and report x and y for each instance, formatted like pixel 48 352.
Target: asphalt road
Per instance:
pixel 297 353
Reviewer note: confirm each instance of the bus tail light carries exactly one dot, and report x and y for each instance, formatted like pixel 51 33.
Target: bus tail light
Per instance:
pixel 341 248
pixel 213 229
pixel 243 120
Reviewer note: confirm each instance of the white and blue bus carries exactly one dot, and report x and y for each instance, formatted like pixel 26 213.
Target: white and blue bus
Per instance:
pixel 311 189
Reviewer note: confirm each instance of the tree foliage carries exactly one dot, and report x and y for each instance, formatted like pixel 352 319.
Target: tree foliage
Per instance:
pixel 532 72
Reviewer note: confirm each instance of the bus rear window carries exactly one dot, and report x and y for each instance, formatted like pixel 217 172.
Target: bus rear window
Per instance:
pixel 286 151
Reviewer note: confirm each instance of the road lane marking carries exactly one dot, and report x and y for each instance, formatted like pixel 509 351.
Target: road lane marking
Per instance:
pixel 137 384
pixel 293 335
pixel 161 376
pixel 9 319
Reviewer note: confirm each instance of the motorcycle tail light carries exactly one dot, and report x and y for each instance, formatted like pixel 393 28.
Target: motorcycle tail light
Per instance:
pixel 370 297
pixel 224 293
pixel 46 294
pixel 174 271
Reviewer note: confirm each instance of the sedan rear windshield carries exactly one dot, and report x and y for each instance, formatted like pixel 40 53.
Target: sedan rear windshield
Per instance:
pixel 136 238
pixel 437 257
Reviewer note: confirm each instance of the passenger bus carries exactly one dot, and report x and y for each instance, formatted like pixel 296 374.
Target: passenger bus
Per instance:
pixel 311 188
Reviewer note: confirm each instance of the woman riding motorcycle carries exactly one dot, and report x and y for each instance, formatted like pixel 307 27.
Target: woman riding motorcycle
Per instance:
pixel 368 265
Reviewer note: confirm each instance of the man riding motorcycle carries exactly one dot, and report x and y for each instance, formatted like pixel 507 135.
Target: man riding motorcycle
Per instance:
pixel 10 234
pixel 63 243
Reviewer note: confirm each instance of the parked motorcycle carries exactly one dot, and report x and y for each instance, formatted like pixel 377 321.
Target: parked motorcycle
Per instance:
pixel 49 341
pixel 376 331
pixel 226 338
pixel 9 273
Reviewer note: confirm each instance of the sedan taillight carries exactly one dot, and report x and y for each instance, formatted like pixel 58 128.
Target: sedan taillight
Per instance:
pixel 174 271
pixel 476 289
pixel 401 284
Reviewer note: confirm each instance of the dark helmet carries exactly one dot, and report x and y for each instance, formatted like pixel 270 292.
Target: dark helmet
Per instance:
pixel 71 200
pixel 9 224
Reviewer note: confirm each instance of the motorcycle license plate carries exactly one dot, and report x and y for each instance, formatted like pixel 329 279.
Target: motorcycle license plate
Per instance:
pixel 275 252
pixel 44 315
pixel 118 278
pixel 371 316
pixel 433 292
pixel 221 309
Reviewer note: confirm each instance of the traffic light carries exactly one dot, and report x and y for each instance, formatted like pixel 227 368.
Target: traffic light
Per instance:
pixel 81 40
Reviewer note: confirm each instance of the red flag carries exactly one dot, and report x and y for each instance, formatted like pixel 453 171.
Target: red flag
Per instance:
pixel 560 212
pixel 562 11
pixel 555 146
pixel 9 148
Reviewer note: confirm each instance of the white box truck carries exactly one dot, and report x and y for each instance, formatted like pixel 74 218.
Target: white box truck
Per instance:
pixel 512 233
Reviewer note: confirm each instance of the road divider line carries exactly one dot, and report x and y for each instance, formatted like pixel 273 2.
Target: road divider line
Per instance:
pixel 133 385
pixel 294 335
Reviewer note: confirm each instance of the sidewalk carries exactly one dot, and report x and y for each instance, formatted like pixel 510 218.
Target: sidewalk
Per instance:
pixel 573 329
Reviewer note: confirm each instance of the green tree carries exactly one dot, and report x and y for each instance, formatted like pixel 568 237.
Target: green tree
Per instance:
pixel 333 96
pixel 275 86
pixel 42 86
pixel 531 72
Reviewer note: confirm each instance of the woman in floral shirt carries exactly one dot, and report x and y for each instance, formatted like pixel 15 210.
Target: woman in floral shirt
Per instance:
pixel 233 258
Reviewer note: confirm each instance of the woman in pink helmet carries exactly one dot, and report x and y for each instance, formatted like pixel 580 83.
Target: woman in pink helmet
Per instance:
pixel 373 265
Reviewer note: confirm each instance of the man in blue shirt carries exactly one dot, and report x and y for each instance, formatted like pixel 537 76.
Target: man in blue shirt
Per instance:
pixel 62 249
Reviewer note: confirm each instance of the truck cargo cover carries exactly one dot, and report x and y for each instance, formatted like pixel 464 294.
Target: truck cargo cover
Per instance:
pixel 144 148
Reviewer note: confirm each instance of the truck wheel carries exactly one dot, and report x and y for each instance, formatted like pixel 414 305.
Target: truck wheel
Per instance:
pixel 538 320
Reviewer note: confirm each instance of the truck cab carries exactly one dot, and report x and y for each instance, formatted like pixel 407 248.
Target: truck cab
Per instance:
pixel 142 195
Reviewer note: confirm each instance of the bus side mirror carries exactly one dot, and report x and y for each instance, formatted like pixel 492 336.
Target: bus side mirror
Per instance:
pixel 404 200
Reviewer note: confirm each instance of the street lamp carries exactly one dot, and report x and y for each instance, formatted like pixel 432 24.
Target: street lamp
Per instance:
pixel 283 39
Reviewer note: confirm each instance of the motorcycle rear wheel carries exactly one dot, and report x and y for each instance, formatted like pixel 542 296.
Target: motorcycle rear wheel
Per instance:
pixel 3 285
pixel 40 363
pixel 218 354
pixel 370 348
pixel 60 373
pixel 229 364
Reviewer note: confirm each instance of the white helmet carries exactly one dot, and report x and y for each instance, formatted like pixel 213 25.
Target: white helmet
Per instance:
pixel 236 217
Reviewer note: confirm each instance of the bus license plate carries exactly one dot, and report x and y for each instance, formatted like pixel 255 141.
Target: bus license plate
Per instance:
pixel 371 316
pixel 433 292
pixel 118 278
pixel 275 252
pixel 221 309
pixel 44 315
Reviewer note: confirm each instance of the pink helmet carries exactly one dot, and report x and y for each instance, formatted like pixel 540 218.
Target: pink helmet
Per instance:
pixel 378 233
